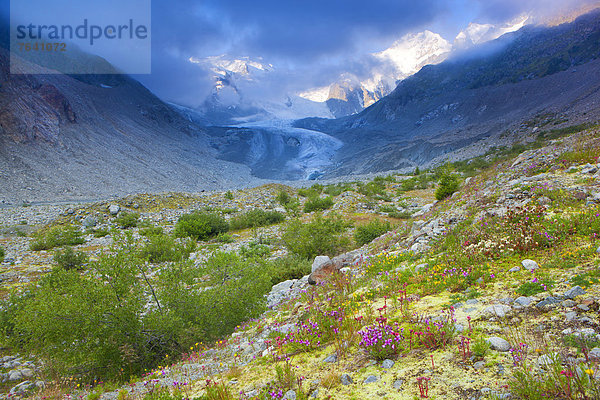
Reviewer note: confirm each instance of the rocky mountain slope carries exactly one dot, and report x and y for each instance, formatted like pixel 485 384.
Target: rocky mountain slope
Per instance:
pixel 532 79
pixel 87 136
pixel 490 293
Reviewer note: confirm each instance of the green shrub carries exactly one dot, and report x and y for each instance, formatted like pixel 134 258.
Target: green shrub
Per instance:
pixel 291 266
pixel 400 215
pixel 255 250
pixel 56 236
pixel 367 233
pixel 100 325
pixel 314 191
pixel 256 218
pixel 283 198
pixel 152 231
pixel 448 184
pixel 100 232
pixel 2 254
pixel 534 287
pixel 376 187
pixel 200 225
pixel 480 347
pixel 229 195
pixel 420 181
pixel 318 204
pixel 337 189
pixel 127 220
pixel 224 238
pixel 163 248
pixel 321 236
pixel 69 259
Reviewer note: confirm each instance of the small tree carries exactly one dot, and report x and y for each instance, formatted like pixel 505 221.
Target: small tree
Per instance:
pixel 69 259
pixel 447 185
pixel 321 236
pixel 367 233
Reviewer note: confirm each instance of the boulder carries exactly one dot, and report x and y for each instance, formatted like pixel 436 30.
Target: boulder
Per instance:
pixel 322 268
pixel 529 265
pixel 114 209
pixel 497 343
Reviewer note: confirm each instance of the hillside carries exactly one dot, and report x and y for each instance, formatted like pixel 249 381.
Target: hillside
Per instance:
pixel 93 136
pixel 491 95
pixel 491 292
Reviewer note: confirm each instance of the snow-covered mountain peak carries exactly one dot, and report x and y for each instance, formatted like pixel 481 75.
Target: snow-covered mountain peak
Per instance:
pixel 222 65
pixel 475 33
pixel 411 52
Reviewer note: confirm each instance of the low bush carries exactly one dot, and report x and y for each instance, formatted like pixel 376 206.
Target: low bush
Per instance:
pixel 255 250
pixel 291 266
pixel 2 254
pixel 337 189
pixel 200 225
pixel 321 236
pixel 447 185
pixel 400 214
pixel 163 248
pixel 152 231
pixel 118 320
pixel 417 182
pixel 367 233
pixel 283 198
pixel 56 236
pixel 69 259
pixel 373 188
pixel 256 218
pixel 534 287
pixel 228 195
pixel 100 232
pixel 318 204
pixel 127 220
pixel 314 191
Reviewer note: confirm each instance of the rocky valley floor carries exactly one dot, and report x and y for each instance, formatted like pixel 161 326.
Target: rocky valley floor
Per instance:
pixel 492 292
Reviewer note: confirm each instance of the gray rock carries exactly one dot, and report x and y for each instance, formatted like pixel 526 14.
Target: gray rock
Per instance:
pixel 568 303
pixel 398 384
pixel 479 365
pixel 570 316
pixel 315 394
pixel 595 352
pixel 331 358
pixel 114 209
pixel 497 343
pixel 574 292
pixel 470 302
pixel 15 375
pixel 387 364
pixel 371 379
pixel 497 310
pixel 290 395
pixel 529 265
pixel 523 301
pixel 548 301
pixel 515 269
pixel 598 250
pixel 89 222
pixel 319 262
pixel 27 373
pixel 346 380
pixel 421 267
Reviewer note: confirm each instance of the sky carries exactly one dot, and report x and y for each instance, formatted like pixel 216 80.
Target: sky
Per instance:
pixel 311 41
